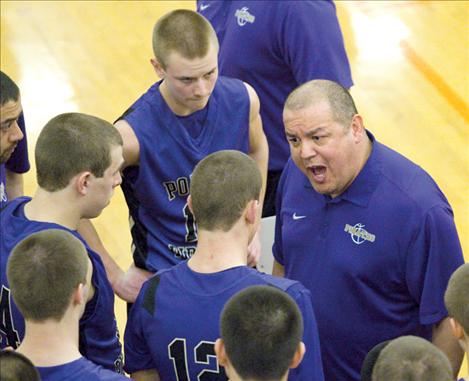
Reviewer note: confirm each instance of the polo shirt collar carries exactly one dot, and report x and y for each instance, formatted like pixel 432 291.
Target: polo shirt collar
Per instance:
pixel 362 188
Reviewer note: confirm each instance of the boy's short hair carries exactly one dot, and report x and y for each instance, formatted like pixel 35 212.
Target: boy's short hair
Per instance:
pixel 185 32
pixel 262 328
pixel 222 184
pixel 17 367
pixel 9 90
pixel 457 296
pixel 44 270
pixel 412 358
pixel 72 143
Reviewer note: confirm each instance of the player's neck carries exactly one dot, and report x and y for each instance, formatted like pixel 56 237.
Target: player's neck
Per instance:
pixel 217 251
pixel 51 343
pixel 53 207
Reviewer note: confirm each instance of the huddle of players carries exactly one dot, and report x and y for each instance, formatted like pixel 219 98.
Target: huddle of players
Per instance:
pixel 79 159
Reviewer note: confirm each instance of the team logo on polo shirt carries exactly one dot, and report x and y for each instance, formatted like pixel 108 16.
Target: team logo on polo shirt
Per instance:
pixel 358 234
pixel 244 17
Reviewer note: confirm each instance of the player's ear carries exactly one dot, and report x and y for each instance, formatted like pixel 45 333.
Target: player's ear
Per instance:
pixel 298 356
pixel 456 328
pixel 158 67
pixel 220 352
pixel 252 210
pixel 189 203
pixel 79 295
pixel 82 181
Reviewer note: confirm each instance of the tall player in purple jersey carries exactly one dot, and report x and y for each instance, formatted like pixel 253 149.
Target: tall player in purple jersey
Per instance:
pixel 275 46
pixel 57 264
pixel 78 158
pixel 174 323
pixel 181 119
pixel 13 145
pixel 367 231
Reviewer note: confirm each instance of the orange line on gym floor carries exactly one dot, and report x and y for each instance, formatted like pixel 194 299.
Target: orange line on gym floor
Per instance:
pixel 436 80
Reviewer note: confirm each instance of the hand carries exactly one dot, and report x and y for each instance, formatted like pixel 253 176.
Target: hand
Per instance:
pixel 128 284
pixel 254 251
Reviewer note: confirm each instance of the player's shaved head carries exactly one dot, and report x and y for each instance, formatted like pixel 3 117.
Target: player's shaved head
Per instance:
pixel 185 32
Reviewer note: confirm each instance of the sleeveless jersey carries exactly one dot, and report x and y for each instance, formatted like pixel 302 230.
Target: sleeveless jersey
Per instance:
pixel 99 338
pixel 175 321
pixel 78 370
pixel 163 228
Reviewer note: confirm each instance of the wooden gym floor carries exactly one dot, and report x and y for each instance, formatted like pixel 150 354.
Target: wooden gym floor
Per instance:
pixel 409 61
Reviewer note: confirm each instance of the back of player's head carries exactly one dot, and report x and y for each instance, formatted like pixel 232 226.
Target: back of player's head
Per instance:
pixel 457 296
pixel 185 32
pixel 17 367
pixel 261 328
pixel 316 91
pixel 370 360
pixel 9 91
pixel 72 143
pixel 412 358
pixel 222 184
pixel 44 270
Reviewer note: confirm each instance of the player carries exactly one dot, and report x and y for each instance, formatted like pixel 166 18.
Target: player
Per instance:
pixel 78 158
pixel 411 358
pixel 13 145
pixel 290 42
pixel 261 329
pixel 181 119
pixel 174 324
pixel 16 367
pixel 367 231
pixel 57 264
pixel 457 303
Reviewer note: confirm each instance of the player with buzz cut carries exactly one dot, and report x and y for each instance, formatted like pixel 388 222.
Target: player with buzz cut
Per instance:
pixel 261 329
pixel 174 323
pixel 57 264
pixel 188 114
pixel 457 303
pixel 78 158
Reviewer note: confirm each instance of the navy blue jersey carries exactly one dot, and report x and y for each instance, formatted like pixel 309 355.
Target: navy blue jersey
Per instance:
pixel 276 46
pixel 99 338
pixel 175 321
pixel 78 370
pixel 377 258
pixel 156 191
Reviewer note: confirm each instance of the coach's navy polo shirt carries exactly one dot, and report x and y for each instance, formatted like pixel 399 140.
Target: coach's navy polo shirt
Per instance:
pixel 376 259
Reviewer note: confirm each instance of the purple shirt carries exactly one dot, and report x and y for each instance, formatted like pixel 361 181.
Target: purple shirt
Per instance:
pixel 275 46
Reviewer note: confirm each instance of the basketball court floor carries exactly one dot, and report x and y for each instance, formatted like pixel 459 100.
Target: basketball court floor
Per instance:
pixel 409 62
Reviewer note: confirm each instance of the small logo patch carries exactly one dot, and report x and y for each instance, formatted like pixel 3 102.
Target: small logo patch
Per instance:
pixel 243 16
pixel 358 234
pixel 296 217
pixel 203 7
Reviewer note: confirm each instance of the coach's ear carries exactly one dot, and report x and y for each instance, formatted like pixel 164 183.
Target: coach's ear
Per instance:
pixel 298 356
pixel 220 352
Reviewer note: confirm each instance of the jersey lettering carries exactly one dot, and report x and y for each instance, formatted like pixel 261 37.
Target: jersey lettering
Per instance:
pixel 203 351
pixel 191 228
pixel 7 327
pixel 180 187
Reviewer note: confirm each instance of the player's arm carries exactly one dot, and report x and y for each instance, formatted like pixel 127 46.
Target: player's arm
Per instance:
pixel 278 269
pixel 259 151
pixel 14 184
pixel 145 375
pixel 131 148
pixel 126 285
pixel 443 338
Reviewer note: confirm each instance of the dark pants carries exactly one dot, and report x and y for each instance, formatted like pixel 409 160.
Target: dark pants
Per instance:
pixel 273 178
